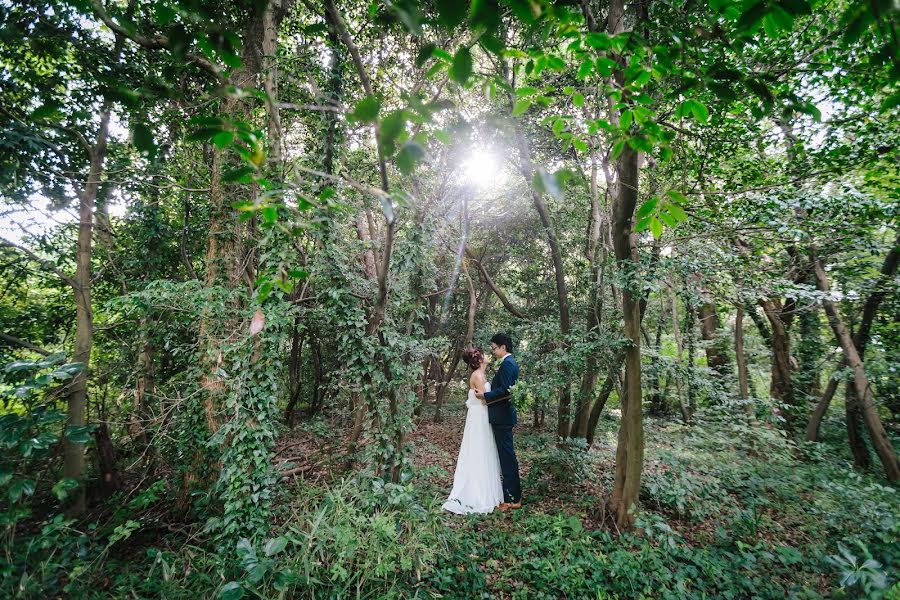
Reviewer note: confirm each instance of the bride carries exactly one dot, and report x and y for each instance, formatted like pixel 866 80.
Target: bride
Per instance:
pixel 476 483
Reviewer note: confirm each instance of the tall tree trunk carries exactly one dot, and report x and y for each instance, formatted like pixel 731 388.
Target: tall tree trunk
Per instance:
pixel 630 449
pixel 782 384
pixel 294 373
pixel 73 454
pixel 657 399
pixel 562 297
pixel 865 402
pixel 716 357
pixel 861 338
pixel 691 338
pixel 855 440
pixel 741 360
pixel 679 349
pixel 595 253
pixel 144 387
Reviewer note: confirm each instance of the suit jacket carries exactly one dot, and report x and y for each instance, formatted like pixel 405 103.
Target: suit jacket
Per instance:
pixel 503 412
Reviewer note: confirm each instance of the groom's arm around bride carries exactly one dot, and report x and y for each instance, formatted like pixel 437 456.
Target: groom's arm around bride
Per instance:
pixel 505 378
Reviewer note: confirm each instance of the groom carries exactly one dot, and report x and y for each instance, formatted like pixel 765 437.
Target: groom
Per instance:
pixel 502 416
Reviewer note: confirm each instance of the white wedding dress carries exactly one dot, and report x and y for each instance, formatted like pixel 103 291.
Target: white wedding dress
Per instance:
pixel 476 483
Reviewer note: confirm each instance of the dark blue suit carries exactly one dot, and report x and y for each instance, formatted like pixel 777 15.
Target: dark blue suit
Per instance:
pixel 502 416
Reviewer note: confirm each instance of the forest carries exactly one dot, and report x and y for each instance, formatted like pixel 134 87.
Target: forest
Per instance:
pixel 245 245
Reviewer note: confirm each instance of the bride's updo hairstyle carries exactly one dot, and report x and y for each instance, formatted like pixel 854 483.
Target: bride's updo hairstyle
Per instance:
pixel 473 357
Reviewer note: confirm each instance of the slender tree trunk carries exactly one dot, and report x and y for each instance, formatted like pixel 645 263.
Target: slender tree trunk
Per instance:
pixel 857 443
pixel 865 402
pixel 782 383
pixel 73 455
pixel 657 400
pixel 294 373
pixel 741 360
pixel 691 357
pixel 716 357
pixel 144 388
pixel 679 349
pixel 562 297
pixel 595 252
pixel 630 450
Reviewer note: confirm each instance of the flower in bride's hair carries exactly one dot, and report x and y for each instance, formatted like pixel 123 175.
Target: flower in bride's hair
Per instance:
pixel 473 357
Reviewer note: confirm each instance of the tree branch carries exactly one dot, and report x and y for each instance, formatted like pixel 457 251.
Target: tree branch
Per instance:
pixel 24 344
pixel 157 42
pixel 497 291
pixel 41 261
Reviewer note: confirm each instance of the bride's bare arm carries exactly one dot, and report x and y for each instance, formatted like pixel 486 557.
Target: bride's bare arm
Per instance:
pixel 476 382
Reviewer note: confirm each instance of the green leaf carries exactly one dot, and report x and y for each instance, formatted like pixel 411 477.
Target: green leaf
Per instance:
pixel 231 591
pixel 752 16
pixel 64 487
pixel 461 69
pixel 656 227
pixel 605 66
pixel 526 91
pixel 20 487
pixel 410 15
pixel 425 53
pixel 521 106
pixel 143 140
pixel 223 138
pixel 269 214
pixel 275 545
pixel 598 41
pixel 783 20
pixel 700 112
pixel 642 224
pixel 558 126
pixel 625 120
pixel 668 219
pixel 646 208
pixel 617 149
pixel 587 65
pixel 410 154
pixel 79 435
pixel 676 211
pixel 796 7
pixel 367 109
pixel 49 112
pixel 578 100
pixel 391 127
pixel 451 12
pixel 890 102
pixel 239 175
pixel 677 196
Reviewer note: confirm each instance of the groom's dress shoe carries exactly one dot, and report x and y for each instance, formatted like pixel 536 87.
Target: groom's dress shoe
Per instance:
pixel 503 506
pixel 514 505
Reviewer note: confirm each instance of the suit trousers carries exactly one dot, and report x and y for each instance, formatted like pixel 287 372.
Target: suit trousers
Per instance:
pixel 509 464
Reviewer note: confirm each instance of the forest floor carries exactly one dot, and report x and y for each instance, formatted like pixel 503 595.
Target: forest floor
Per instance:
pixel 728 511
